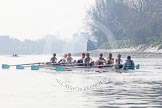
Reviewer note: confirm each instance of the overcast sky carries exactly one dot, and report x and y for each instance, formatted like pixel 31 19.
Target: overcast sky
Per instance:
pixel 27 19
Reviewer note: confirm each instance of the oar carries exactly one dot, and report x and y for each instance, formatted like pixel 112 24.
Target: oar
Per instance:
pixel 20 66
pixel 6 66
pixel 63 67
pixel 137 66
pixel 59 66
pixel 33 67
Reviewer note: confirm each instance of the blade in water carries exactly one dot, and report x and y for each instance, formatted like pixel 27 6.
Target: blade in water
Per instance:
pixel 60 68
pixel 5 66
pixel 137 66
pixel 19 67
pixel 34 67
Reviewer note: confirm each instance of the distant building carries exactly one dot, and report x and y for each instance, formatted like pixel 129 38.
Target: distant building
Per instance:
pixel 83 42
pixel 92 43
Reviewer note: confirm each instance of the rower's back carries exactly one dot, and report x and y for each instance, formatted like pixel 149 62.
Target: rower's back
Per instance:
pixel 118 62
pixel 69 59
pixel 110 60
pixel 129 64
pixel 54 59
pixel 88 60
pixel 80 61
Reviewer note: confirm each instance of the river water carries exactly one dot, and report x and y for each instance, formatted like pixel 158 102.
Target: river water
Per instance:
pixel 80 88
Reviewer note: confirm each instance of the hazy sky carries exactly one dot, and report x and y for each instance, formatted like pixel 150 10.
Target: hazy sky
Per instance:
pixel 25 19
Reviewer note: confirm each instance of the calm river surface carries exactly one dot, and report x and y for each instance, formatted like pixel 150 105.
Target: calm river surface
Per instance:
pixel 80 89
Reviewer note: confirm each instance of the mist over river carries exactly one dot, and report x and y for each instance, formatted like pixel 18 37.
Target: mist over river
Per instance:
pixel 46 88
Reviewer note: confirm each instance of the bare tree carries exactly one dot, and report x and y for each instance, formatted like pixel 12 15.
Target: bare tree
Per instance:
pixel 138 21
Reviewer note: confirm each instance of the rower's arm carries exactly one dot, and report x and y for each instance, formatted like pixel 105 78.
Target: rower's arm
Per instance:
pixel 121 61
pixel 116 61
pixel 112 60
pixel 90 59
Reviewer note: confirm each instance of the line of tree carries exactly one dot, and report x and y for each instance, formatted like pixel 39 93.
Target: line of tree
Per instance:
pixel 139 21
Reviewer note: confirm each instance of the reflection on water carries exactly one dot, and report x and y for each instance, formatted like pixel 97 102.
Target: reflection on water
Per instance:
pixel 40 89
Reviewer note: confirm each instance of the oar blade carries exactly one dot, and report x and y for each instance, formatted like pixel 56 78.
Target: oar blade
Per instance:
pixel 5 66
pixel 60 68
pixel 137 66
pixel 19 67
pixel 35 67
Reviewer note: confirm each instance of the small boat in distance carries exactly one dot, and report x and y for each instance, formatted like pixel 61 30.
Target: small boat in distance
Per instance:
pixel 15 55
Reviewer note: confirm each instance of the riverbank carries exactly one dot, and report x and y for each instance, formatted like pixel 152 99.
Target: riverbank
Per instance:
pixel 139 49
pixel 137 52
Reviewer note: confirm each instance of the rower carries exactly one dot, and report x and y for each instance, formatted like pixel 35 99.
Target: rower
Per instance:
pixel 129 64
pixel 118 62
pixel 101 60
pixel 110 60
pixel 63 60
pixel 81 60
pixel 88 60
pixel 54 59
pixel 69 59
